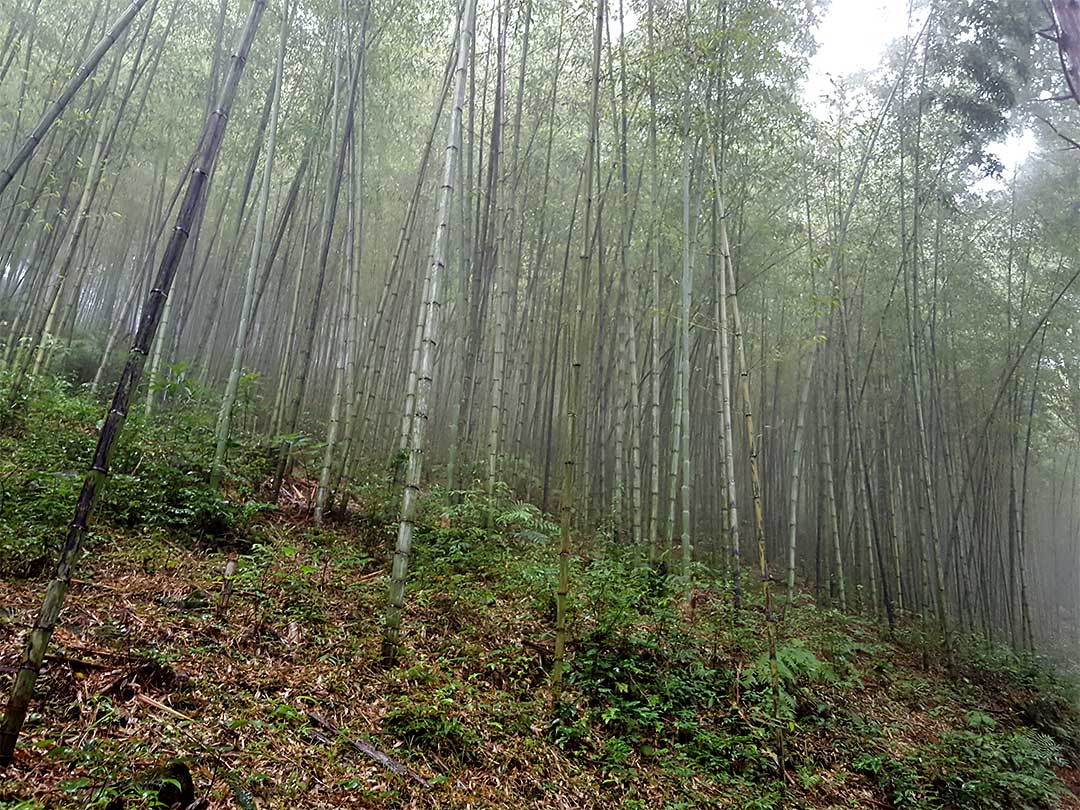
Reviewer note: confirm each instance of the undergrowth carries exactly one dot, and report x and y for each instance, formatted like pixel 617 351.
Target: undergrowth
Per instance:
pixel 158 482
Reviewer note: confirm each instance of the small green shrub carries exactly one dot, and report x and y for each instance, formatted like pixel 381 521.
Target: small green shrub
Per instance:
pixel 720 753
pixel 799 672
pixel 429 728
pixel 1046 699
pixel 570 726
pixel 993 770
pixel 978 768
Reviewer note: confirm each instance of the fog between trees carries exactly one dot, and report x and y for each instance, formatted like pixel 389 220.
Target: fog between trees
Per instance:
pixel 606 256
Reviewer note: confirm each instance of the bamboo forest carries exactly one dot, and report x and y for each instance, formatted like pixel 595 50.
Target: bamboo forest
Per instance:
pixel 539 404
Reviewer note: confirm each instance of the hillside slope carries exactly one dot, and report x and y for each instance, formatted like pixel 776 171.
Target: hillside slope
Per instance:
pixel 281 701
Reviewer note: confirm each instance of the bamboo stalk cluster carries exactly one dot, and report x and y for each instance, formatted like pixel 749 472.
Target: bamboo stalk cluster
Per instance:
pixel 561 259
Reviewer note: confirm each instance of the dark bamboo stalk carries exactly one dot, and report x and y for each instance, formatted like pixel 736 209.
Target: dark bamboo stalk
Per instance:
pixel 38 640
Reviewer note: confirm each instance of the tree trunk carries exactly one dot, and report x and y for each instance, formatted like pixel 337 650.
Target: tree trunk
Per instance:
pixel 439 254
pixel 567 505
pixel 224 418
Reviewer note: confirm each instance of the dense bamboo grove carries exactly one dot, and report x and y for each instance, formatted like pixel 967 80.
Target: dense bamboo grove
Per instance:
pixel 607 255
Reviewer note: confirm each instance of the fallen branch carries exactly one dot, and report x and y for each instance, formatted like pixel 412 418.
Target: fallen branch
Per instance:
pixel 75 662
pixel 366 749
pixel 101 586
pixel 114 654
pixel 157 704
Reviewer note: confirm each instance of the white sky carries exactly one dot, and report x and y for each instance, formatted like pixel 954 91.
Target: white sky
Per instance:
pixel 853 37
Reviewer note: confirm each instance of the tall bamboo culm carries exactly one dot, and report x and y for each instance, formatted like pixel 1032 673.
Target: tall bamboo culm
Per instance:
pixel 439 255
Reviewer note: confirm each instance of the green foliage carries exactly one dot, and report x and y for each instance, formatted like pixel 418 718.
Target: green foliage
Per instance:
pixel 43 458
pixel 982 51
pixel 721 753
pixel 801 675
pixel 645 683
pixel 525 521
pixel 976 767
pixel 980 769
pixel 570 728
pixel 176 384
pixel 158 479
pixel 1046 699
pixel 640 686
pixel 428 725
pixel 469 532
pixel 898 776
pixel 615 754
pixel 648 688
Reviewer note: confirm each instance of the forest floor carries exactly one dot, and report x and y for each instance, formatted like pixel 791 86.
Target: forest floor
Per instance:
pixel 144 670
pixel 666 705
